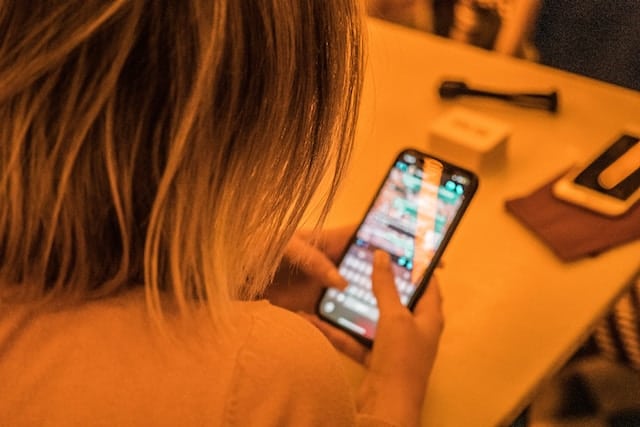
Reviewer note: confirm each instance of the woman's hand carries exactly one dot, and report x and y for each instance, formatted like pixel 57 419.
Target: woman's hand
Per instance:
pixel 404 350
pixel 308 267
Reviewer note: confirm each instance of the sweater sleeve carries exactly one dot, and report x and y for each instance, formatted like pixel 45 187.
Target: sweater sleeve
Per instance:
pixel 288 374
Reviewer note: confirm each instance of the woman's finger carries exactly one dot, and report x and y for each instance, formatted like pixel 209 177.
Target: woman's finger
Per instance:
pixel 314 263
pixel 383 283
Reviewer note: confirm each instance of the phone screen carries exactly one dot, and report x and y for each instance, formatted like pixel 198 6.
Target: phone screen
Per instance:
pixel 411 218
pixel 588 177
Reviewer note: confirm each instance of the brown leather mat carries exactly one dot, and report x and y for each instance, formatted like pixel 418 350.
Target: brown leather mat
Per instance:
pixel 573 232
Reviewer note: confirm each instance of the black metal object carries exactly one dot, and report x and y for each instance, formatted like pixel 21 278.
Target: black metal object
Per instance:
pixel 450 89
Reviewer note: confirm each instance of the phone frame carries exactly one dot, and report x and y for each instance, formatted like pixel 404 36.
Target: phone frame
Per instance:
pixel 470 191
pixel 567 190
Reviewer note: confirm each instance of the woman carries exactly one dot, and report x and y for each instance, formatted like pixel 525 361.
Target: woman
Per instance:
pixel 156 158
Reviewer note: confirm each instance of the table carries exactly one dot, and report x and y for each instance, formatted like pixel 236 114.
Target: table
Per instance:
pixel 514 312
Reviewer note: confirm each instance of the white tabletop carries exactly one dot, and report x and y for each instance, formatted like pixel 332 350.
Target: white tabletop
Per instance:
pixel 514 312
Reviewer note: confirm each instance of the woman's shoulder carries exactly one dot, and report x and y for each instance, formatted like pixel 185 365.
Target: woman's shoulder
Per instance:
pixel 288 370
pixel 278 368
pixel 273 324
pixel 279 340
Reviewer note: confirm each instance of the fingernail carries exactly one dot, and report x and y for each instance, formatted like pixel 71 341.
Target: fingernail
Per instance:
pixel 381 258
pixel 336 280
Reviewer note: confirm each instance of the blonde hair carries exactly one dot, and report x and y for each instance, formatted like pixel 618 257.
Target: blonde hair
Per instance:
pixel 170 143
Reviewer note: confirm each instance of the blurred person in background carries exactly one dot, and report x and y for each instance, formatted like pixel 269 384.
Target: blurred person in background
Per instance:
pixel 501 25
pixel 589 37
pixel 416 14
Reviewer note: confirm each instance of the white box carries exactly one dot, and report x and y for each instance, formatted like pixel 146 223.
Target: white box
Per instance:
pixel 469 139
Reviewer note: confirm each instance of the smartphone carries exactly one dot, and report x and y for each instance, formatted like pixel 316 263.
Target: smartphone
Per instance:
pixel 412 217
pixel 609 183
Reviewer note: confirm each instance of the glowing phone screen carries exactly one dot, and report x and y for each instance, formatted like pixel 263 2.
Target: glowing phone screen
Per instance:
pixel 413 210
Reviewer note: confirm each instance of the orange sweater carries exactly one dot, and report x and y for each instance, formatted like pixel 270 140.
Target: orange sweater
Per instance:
pixel 101 364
